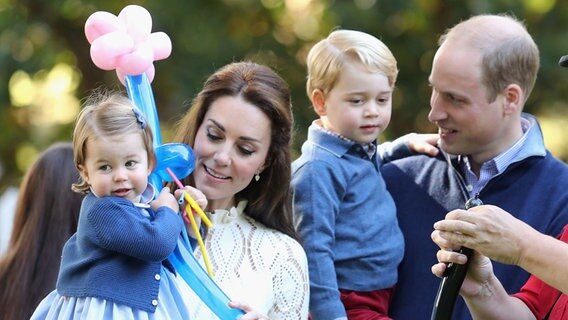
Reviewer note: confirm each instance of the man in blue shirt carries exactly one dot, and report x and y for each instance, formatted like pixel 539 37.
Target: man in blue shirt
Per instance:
pixel 482 75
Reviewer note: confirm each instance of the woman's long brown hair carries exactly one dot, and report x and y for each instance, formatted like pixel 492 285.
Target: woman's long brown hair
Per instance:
pixel 269 199
pixel 46 216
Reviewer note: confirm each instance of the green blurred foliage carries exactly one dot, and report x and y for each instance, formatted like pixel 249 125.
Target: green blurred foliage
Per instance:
pixel 37 35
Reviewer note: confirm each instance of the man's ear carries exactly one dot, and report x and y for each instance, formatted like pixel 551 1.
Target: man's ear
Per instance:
pixel 514 98
pixel 83 173
pixel 318 102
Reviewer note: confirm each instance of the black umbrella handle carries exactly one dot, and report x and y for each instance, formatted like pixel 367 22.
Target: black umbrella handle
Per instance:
pixel 452 281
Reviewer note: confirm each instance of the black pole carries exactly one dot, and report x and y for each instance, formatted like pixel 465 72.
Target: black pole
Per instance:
pixel 453 278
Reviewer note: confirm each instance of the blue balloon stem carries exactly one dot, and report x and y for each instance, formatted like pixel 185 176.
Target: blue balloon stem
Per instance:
pixel 198 279
pixel 180 159
pixel 140 92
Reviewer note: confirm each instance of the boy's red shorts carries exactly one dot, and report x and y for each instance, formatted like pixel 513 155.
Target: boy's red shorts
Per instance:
pixel 372 305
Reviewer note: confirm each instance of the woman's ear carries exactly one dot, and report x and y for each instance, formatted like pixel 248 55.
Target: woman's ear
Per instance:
pixel 262 167
pixel 318 102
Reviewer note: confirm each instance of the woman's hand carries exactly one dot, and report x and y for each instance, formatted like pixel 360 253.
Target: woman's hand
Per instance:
pixel 250 314
pixel 201 201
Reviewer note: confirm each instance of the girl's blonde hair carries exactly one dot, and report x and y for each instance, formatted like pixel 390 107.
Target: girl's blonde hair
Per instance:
pixel 326 58
pixel 107 114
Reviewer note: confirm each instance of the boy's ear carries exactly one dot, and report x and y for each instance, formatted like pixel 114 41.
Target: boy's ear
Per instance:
pixel 318 102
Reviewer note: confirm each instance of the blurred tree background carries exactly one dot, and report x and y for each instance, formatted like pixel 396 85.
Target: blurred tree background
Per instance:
pixel 46 69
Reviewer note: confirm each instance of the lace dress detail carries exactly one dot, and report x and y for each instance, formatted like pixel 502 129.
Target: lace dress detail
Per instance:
pixel 254 264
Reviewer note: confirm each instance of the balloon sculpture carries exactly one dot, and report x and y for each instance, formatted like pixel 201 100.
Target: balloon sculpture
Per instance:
pixel 125 43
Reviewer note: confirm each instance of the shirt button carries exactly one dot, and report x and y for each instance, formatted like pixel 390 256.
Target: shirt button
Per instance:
pixel 154 302
pixel 157 277
pixel 470 188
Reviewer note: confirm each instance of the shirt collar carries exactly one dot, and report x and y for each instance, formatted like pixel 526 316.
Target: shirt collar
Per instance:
pixel 335 142
pixel 146 197
pixel 530 144
pixel 226 216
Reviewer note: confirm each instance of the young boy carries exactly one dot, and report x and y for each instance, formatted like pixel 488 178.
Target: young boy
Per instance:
pixel 347 218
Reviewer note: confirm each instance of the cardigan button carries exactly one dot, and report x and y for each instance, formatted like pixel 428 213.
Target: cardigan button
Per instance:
pixel 154 302
pixel 157 277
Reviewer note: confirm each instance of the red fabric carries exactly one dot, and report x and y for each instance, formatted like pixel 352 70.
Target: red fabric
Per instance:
pixel 373 305
pixel 542 298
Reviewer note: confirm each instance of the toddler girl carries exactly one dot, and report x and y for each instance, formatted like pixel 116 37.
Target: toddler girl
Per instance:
pixel 115 266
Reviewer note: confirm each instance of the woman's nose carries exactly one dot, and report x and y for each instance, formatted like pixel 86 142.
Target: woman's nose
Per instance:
pixel 222 157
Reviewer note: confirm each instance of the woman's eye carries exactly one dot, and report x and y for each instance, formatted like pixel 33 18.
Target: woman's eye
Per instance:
pixel 246 151
pixel 213 134
pixel 213 137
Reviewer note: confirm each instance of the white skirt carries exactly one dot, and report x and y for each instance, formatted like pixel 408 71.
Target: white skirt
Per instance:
pixel 172 297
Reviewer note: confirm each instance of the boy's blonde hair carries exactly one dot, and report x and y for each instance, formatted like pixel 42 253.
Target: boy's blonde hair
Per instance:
pixel 327 58
pixel 107 114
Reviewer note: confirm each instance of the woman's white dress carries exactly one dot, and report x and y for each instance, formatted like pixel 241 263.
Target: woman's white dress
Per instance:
pixel 256 265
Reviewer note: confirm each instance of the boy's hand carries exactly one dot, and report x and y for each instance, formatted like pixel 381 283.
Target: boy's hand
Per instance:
pixel 425 143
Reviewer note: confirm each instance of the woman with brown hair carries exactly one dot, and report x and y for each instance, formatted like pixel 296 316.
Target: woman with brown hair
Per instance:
pixel 46 216
pixel 240 129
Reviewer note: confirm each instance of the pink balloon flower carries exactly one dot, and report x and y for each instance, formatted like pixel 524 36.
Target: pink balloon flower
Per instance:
pixel 125 42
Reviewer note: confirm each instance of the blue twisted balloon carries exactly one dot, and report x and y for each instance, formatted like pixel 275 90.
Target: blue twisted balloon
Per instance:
pixel 140 92
pixel 179 158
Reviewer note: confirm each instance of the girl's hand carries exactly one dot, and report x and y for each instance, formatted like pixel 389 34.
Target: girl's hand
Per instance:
pixel 250 314
pixel 165 198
